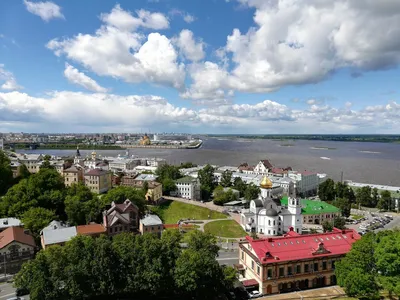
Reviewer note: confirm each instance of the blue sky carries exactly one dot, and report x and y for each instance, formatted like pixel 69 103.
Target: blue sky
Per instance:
pixel 237 66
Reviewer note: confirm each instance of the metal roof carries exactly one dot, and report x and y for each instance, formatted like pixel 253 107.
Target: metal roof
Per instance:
pixel 59 235
pixel 151 220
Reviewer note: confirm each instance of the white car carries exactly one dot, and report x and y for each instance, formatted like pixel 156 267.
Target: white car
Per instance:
pixel 254 294
pixel 16 298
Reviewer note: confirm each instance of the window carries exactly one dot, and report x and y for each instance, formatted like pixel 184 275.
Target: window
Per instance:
pixel 316 266
pixel 269 273
pixel 289 270
pixel 306 268
pixel 324 265
pixel 269 231
pixel 274 223
pixel 281 272
pixel 333 265
pixel 298 269
pixel 242 255
pixel 269 222
pixel 252 264
pixel 258 270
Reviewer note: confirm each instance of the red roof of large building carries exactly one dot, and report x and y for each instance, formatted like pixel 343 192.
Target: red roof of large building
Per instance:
pixel 17 234
pixel 90 229
pixel 294 246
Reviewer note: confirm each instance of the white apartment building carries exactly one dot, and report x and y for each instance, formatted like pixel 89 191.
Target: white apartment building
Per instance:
pixel 31 161
pixel 122 164
pixel 306 182
pixel 188 188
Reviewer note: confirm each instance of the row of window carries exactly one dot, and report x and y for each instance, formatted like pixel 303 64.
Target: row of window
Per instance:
pixel 118 229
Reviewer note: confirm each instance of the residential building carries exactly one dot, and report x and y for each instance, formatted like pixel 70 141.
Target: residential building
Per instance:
pixel 98 180
pixel 314 211
pixel 31 161
pixel 154 188
pixel 293 262
pixel 267 216
pixel 16 247
pixel 307 182
pixel 122 217
pixel 57 233
pixel 154 191
pixel 156 162
pixel 74 174
pixel 263 167
pixel 151 224
pixel 188 188
pixel 9 222
pixel 15 168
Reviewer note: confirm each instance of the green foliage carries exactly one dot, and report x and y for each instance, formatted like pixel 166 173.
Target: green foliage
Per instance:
pixel 168 171
pixel 238 184
pixel 168 185
pixel 221 197
pixel 364 196
pixel 121 193
pixel 385 201
pixel 327 226
pixel 128 267
pixel 36 218
pixel 373 263
pixel 6 176
pixel 326 190
pixel 252 191
pixel 44 189
pixel 23 172
pixel 344 205
pixel 187 165
pixel 226 178
pixel 46 163
pixel 207 181
pixel 254 235
pixel 339 223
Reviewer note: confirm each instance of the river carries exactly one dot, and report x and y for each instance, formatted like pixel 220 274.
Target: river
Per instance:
pixel 365 162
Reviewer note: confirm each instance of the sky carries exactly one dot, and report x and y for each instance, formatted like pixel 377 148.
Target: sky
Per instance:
pixel 200 66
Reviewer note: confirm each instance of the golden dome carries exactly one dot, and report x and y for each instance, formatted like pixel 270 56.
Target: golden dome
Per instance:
pixel 266 183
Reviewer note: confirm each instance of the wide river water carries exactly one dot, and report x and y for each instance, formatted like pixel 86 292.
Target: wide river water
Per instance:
pixel 377 163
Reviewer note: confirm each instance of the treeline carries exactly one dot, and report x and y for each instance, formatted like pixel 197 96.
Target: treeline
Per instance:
pixel 343 197
pixel 69 146
pixel 372 265
pixel 128 267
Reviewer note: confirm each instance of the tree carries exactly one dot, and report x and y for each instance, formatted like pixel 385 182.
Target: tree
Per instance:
pixel 375 197
pixel 187 165
pixel 23 172
pixel 145 187
pixel 168 171
pixel 46 163
pixel 344 205
pixel 221 197
pixel 252 191
pixel 226 178
pixel 339 222
pixel 207 181
pixel 6 175
pixel 385 201
pixel 36 218
pixel 238 184
pixel 254 235
pixel 168 185
pixel 122 193
pixel 327 226
pixel 363 196
pixel 326 190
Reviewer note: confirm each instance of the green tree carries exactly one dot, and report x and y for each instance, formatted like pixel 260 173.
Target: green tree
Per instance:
pixel 344 205
pixel 240 185
pixel 374 197
pixel 168 171
pixel 122 193
pixel 168 185
pixel 23 172
pixel 364 196
pixel 145 187
pixel 46 164
pixel 252 191
pixel 207 181
pixel 36 218
pixel 221 197
pixel 326 190
pixel 327 226
pixel 187 165
pixel 385 201
pixel 339 222
pixel 226 178
pixel 6 175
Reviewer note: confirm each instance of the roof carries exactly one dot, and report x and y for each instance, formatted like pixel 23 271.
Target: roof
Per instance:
pixel 271 212
pixel 17 234
pixel 60 235
pixel 96 172
pixel 294 246
pixel 313 207
pixel 90 229
pixel 146 177
pixel 267 164
pixel 186 179
pixel 72 169
pixel 8 222
pixel 150 220
pixel 306 173
pixel 250 282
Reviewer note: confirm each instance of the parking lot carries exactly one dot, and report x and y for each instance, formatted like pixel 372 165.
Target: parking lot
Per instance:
pixel 375 222
pixel 7 291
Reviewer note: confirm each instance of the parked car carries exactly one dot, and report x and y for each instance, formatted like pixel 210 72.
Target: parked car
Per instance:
pixel 21 292
pixel 254 294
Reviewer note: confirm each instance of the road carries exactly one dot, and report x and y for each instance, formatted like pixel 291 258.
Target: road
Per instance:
pixel 229 257
pixel 8 291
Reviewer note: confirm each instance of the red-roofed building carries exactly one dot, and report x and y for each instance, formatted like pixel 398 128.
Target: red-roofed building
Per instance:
pixel 294 261
pixel 263 167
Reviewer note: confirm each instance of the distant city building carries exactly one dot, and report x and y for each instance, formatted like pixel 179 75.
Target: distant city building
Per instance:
pixel 187 187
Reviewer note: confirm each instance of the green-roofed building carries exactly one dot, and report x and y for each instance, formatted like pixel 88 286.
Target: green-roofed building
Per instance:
pixel 315 212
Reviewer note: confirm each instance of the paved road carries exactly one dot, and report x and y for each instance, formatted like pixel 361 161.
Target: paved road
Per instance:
pixel 8 291
pixel 229 257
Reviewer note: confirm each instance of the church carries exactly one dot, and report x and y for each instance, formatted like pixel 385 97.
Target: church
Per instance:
pixel 267 216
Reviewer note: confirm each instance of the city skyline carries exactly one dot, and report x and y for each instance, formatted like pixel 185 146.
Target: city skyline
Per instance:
pixel 232 66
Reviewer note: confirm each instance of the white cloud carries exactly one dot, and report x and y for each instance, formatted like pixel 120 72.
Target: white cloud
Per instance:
pixel 188 18
pixel 46 10
pixel 77 111
pixel 74 76
pixel 116 51
pixel 124 20
pixel 304 41
pixel 191 49
pixel 8 79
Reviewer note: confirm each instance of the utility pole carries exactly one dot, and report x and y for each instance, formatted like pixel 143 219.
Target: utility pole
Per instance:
pixel 341 177
pixel 5 266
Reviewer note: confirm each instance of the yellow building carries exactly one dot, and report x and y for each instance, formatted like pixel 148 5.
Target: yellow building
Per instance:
pixel 98 181
pixel 151 224
pixel 145 141
pixel 154 191
pixel 73 175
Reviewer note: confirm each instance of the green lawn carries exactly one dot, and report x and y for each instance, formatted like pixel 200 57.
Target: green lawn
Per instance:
pixel 172 211
pixel 227 229
pixel 357 217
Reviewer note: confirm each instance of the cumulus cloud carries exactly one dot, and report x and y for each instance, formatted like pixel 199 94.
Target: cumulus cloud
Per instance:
pixel 74 76
pixel 8 79
pixel 115 50
pixel 188 18
pixel 304 41
pixel 124 20
pixel 46 10
pixel 191 49
pixel 72 111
